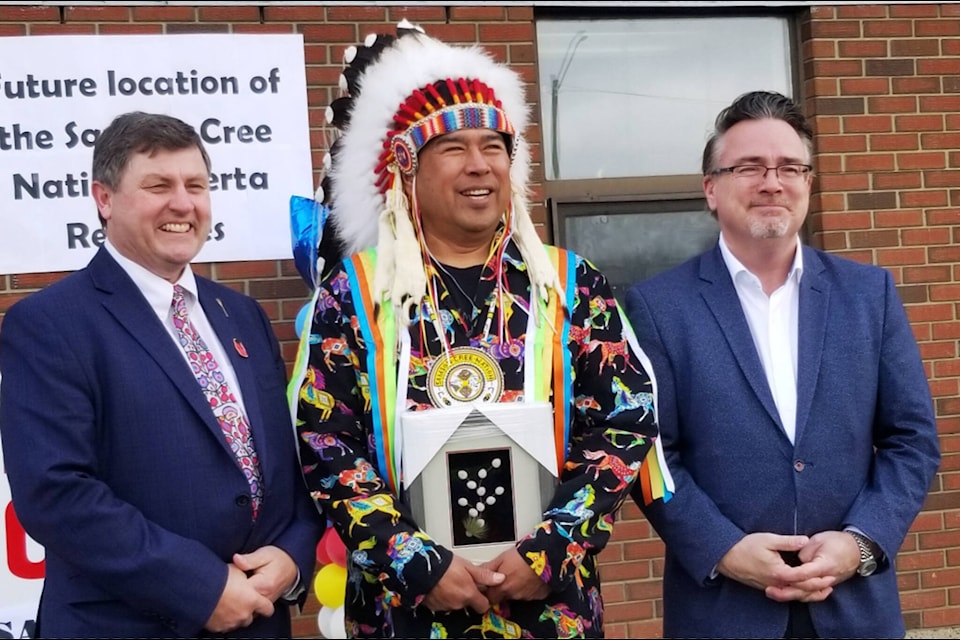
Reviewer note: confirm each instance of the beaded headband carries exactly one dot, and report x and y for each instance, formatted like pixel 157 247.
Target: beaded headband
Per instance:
pixel 405 146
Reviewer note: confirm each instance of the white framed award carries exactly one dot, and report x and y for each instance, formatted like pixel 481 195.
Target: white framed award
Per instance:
pixel 479 477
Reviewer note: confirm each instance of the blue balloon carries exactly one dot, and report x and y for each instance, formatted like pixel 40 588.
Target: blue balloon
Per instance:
pixel 303 318
pixel 307 220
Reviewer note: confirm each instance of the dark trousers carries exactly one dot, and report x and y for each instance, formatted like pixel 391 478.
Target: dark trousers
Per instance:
pixel 800 624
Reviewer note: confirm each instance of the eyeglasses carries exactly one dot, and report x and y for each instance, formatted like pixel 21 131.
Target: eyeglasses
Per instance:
pixel 785 172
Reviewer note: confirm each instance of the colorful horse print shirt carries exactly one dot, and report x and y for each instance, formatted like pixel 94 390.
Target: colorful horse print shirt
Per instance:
pixel 392 563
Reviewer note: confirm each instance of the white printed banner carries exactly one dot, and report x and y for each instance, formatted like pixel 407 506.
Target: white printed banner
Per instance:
pixel 245 94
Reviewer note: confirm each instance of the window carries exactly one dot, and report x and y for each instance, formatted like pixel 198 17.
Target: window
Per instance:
pixel 631 241
pixel 627 103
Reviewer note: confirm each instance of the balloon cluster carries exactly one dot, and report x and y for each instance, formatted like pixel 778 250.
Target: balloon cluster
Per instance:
pixel 330 584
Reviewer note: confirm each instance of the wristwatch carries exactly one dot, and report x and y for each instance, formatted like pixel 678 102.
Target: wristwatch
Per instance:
pixel 868 557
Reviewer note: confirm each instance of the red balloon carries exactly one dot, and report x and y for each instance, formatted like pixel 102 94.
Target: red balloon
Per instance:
pixel 323 556
pixel 335 549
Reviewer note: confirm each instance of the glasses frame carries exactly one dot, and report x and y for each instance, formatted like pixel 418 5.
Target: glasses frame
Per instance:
pixel 806 170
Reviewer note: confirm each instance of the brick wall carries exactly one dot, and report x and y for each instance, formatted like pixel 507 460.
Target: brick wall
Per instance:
pixel 882 83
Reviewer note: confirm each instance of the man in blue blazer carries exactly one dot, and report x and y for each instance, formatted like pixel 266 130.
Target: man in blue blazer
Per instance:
pixel 794 408
pixel 116 461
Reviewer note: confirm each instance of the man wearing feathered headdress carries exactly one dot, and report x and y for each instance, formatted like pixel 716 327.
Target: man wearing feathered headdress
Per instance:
pixel 447 300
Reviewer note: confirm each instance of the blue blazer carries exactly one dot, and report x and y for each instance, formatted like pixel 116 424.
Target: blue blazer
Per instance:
pixel 860 385
pixel 119 469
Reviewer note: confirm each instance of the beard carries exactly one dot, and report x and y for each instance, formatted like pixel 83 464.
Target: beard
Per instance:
pixel 764 227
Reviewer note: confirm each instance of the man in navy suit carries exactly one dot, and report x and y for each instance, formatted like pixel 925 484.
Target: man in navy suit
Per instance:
pixel 794 408
pixel 116 461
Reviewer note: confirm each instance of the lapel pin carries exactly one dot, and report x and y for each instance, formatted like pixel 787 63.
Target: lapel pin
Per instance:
pixel 223 308
pixel 242 350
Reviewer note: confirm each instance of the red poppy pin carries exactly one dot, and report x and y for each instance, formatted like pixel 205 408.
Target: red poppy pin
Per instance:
pixel 242 350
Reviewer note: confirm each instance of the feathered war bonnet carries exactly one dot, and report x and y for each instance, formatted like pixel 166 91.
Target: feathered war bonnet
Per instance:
pixel 388 110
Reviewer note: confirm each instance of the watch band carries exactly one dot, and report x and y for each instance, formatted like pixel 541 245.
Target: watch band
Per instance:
pixel 868 553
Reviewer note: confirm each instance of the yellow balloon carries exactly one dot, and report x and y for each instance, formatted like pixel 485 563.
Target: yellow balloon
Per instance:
pixel 330 585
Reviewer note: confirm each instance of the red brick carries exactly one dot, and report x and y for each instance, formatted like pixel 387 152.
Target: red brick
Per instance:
pixel 935 273
pixel 871 162
pixel 129 28
pixel 944 254
pixel 837 68
pixel 864 86
pixel 521 13
pixel 887 28
pixel 925 522
pixel 236 13
pixel 926 28
pixel 898 180
pixel 418 14
pixel 938 67
pixel 839 220
pixel 863 48
pixel 945 368
pixel 842 144
pixel 922 600
pixel 861 11
pixel 940 140
pixel 914 85
pixel 329 33
pixel 934 350
pixel 97 14
pixel 892 104
pixel 293 13
pixel 831 241
pixel 462 33
pixel 164 14
pixel 842 29
pixel 874 238
pixel 914 47
pixel 941 617
pixel 360 13
pixel 927 160
pixel 868 124
pixel 923 199
pixel 821 49
pixel 486 13
pixel 33 281
pixel 950 178
pixel 621 612
pixel 940 104
pixel 890 257
pixel 73 29
pixel 29 14
pixel 931 236
pixel 919 123
pixel 243 270
pixel 645 590
pixel 645 629
pixel 844 181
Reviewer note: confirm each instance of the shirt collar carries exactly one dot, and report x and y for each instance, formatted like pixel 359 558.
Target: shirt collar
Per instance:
pixel 157 291
pixel 735 267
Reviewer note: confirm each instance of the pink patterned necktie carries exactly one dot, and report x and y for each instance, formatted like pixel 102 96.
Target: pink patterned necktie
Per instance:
pixel 224 403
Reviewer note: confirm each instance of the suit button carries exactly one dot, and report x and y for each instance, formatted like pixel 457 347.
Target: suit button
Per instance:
pixel 242 500
pixel 798 466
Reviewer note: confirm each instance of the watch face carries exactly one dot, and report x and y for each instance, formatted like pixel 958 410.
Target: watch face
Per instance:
pixel 867 568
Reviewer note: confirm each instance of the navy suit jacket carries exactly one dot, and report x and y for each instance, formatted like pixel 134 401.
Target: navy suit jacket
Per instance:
pixel 865 451
pixel 119 469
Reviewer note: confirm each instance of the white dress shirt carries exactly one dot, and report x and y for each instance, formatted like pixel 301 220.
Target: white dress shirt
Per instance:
pixel 774 323
pixel 159 295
